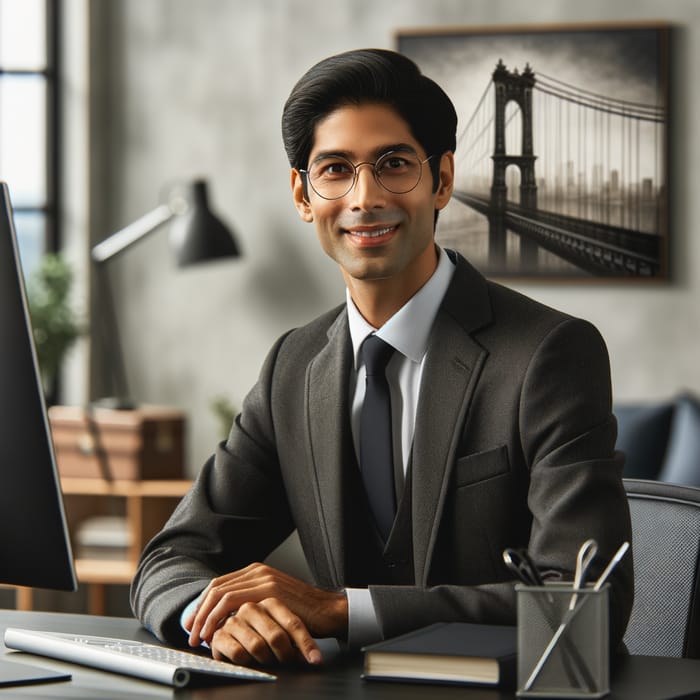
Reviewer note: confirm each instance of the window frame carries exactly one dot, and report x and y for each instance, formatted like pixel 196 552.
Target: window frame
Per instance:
pixel 50 209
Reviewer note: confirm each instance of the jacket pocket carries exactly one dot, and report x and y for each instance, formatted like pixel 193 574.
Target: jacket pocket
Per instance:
pixel 481 466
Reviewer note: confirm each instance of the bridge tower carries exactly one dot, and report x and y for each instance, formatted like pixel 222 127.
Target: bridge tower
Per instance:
pixel 518 88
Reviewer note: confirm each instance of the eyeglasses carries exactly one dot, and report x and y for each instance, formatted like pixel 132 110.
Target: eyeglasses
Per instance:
pixel 398 172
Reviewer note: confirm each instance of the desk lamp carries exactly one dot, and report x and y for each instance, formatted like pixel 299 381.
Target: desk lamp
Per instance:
pixel 196 236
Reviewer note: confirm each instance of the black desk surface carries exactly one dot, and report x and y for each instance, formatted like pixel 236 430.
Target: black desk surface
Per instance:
pixel 637 677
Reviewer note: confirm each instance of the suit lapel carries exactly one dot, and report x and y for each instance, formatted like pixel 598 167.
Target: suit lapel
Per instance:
pixel 452 367
pixel 327 409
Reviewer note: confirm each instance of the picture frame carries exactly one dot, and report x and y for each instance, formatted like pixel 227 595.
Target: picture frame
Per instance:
pixel 561 165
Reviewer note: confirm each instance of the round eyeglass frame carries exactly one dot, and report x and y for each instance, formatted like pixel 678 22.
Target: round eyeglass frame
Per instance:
pixel 356 167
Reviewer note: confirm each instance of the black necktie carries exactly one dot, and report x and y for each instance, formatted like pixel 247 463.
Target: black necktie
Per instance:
pixel 376 453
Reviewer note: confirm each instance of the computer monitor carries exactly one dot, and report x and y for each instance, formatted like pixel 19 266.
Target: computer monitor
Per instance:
pixel 34 543
pixel 35 546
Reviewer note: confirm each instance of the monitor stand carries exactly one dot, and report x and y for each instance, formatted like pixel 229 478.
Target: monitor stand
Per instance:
pixel 20 673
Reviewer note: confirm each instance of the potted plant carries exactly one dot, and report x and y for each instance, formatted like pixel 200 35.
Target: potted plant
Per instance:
pixel 225 412
pixel 54 322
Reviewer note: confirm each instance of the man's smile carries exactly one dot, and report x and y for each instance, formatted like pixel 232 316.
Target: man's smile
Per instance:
pixel 371 235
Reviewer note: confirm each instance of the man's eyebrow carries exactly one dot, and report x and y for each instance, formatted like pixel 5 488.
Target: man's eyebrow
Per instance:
pixel 395 147
pixel 331 154
pixel 377 153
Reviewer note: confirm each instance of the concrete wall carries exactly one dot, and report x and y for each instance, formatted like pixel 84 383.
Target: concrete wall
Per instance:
pixel 196 87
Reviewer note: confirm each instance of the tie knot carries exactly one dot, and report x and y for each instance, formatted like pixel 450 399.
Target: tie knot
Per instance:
pixel 376 354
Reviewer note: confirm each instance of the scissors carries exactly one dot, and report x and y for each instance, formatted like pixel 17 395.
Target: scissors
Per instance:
pixel 586 554
pixel 521 564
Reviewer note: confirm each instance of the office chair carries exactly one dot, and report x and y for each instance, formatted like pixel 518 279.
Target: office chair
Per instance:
pixel 665 619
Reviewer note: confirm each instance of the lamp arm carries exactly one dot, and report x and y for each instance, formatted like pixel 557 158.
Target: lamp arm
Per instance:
pixel 123 238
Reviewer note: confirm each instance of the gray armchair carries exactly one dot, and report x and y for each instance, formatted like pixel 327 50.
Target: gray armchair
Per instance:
pixel 665 618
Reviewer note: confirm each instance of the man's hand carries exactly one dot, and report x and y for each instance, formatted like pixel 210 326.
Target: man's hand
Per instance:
pixel 276 617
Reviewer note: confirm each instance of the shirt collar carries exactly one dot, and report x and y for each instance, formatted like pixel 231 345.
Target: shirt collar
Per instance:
pixel 408 329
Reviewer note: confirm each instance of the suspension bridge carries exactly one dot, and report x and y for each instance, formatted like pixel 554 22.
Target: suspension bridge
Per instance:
pixel 566 170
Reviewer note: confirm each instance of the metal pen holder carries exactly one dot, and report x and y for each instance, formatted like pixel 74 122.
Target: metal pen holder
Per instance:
pixel 563 642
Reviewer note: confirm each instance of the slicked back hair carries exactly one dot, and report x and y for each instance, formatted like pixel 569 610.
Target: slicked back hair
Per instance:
pixel 369 76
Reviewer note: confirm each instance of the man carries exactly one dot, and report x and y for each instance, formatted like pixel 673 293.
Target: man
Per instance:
pixel 501 427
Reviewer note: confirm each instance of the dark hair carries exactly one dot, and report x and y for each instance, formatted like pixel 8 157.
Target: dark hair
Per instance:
pixel 369 76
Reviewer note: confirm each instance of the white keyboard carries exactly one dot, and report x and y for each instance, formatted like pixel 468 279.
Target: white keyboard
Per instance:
pixel 148 661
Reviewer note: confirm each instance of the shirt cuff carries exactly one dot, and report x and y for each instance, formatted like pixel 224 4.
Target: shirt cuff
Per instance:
pixel 189 608
pixel 363 626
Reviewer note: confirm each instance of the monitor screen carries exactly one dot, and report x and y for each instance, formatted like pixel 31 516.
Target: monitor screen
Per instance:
pixel 34 544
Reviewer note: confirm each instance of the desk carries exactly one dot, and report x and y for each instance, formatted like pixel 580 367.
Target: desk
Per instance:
pixel 638 678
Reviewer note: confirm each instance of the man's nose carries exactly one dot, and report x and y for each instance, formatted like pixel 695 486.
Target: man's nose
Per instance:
pixel 367 192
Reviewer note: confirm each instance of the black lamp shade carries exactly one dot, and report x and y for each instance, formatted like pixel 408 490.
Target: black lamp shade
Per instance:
pixel 198 235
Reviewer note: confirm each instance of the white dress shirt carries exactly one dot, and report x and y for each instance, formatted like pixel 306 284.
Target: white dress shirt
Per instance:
pixel 407 331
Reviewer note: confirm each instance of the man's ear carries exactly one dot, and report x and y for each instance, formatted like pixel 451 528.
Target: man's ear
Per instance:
pixel 447 180
pixel 299 195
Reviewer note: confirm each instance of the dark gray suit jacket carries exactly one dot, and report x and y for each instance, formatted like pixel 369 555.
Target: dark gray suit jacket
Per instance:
pixel 513 446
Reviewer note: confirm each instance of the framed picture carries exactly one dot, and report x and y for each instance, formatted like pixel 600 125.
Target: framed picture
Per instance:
pixel 562 147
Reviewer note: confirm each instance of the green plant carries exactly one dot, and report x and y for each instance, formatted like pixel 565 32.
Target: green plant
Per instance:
pixel 225 412
pixel 54 322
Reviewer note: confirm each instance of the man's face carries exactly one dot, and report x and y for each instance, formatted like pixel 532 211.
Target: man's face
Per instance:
pixel 370 232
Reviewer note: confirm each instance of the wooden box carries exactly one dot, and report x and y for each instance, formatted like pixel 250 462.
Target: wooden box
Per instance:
pixel 145 443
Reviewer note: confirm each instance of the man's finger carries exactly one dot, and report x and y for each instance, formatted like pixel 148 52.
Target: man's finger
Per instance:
pixel 224 647
pixel 253 636
pixel 244 630
pixel 213 610
pixel 295 628
pixel 265 630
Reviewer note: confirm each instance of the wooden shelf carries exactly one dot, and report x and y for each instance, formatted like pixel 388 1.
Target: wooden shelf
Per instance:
pixel 151 488
pixel 105 570
pixel 146 505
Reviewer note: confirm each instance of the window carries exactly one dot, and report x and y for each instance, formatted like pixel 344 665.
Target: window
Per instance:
pixel 28 122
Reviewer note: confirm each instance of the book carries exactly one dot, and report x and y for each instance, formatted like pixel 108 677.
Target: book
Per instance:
pixel 446 652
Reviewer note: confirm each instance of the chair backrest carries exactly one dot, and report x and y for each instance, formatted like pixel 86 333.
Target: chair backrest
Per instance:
pixel 665 619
